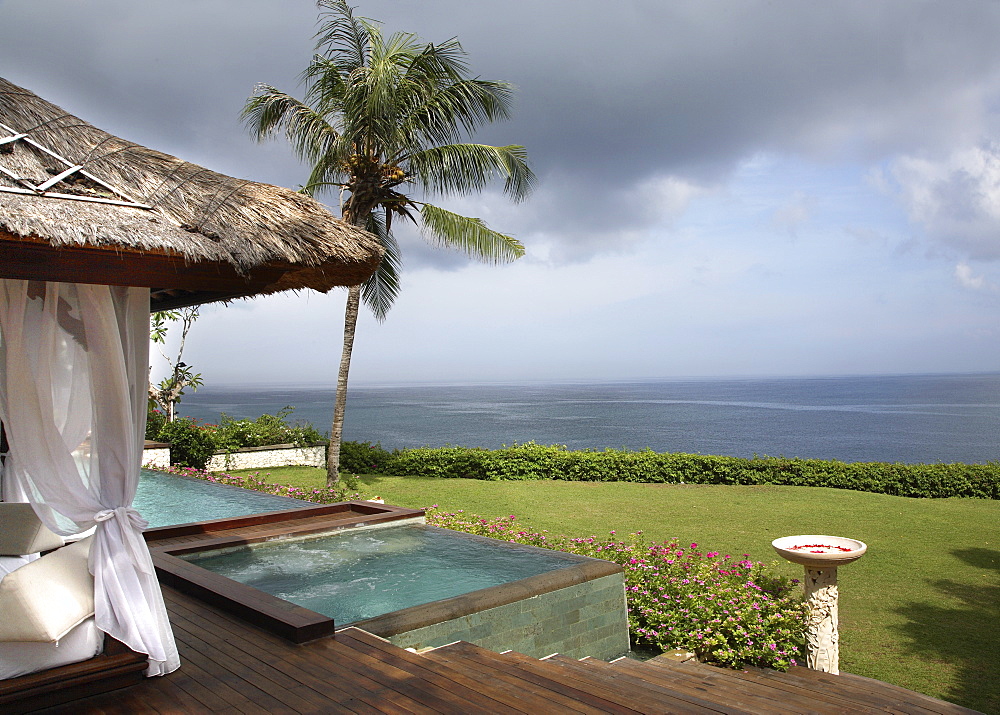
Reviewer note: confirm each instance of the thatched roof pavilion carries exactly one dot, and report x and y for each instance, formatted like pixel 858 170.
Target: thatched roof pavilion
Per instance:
pixel 94 232
pixel 80 205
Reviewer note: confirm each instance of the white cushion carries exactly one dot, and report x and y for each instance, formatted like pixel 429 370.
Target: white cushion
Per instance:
pixel 43 600
pixel 22 532
pixel 82 643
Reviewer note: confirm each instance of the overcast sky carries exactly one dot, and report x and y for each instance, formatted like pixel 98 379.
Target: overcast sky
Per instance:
pixel 727 187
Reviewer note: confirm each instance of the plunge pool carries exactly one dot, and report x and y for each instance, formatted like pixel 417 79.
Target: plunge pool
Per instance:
pixel 302 570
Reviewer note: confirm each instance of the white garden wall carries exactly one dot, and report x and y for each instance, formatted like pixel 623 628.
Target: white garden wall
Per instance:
pixel 278 455
pixel 156 455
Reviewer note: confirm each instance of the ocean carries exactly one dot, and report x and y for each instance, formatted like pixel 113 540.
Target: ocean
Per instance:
pixel 893 418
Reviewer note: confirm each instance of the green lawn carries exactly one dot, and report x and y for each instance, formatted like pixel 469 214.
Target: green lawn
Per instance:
pixel 921 609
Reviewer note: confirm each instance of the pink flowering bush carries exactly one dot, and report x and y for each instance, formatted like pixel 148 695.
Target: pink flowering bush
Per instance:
pixel 346 491
pixel 728 611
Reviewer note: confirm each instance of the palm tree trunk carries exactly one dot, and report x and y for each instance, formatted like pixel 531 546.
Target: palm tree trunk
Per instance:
pixel 340 403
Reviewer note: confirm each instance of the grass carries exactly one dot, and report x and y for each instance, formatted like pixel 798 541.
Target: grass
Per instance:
pixel 921 609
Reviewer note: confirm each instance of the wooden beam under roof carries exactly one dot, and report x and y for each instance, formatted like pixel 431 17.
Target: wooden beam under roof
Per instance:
pixel 175 282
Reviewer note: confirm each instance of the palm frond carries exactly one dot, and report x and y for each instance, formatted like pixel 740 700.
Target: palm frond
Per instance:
pixel 384 94
pixel 328 170
pixel 269 111
pixel 464 168
pixel 379 292
pixel 470 235
pixel 342 34
pixel 326 85
pixel 450 57
pixel 442 115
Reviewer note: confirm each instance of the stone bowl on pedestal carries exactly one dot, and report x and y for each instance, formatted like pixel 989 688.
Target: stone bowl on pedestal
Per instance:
pixel 817 552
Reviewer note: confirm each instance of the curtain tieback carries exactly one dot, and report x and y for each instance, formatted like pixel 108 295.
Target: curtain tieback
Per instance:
pixel 131 524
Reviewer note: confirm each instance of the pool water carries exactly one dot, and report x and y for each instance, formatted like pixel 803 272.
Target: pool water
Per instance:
pixel 167 500
pixel 359 574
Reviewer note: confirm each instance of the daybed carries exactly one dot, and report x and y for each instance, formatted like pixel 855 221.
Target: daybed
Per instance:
pixel 48 640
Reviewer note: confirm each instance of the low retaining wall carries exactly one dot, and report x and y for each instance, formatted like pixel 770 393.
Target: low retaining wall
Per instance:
pixel 157 454
pixel 587 619
pixel 278 455
pixel 579 611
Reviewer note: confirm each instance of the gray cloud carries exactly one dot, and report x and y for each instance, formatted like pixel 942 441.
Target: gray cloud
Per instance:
pixel 611 100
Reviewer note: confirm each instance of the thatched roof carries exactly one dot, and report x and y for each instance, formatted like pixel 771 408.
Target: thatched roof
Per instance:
pixel 151 219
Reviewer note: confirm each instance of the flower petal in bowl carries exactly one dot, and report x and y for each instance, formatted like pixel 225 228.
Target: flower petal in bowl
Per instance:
pixel 816 551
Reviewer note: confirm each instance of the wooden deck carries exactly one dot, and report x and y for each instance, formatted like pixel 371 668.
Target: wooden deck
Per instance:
pixel 234 660
pixel 230 666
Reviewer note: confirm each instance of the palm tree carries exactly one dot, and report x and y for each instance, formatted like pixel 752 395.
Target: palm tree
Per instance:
pixel 381 120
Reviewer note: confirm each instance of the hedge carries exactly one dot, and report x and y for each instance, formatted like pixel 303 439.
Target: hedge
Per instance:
pixel 535 461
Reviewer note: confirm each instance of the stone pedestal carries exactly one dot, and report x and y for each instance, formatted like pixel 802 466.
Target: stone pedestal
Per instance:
pixel 822 634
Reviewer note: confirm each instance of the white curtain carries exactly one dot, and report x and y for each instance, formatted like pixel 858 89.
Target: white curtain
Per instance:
pixel 74 362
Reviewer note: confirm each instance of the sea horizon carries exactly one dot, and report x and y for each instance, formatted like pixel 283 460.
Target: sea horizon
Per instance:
pixel 912 418
pixel 360 382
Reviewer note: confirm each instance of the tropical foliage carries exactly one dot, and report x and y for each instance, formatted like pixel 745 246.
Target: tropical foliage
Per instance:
pixel 382 122
pixel 168 393
pixel 266 430
pixel 192 443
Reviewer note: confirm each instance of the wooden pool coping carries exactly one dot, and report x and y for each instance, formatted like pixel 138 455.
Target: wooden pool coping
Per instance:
pixel 299 624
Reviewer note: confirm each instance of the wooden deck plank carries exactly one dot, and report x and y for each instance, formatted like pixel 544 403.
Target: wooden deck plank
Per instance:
pixel 230 687
pixel 421 670
pixel 321 683
pixel 538 673
pixel 280 697
pixel 328 660
pixel 779 689
pixel 529 695
pixel 631 674
pixel 732 694
pixel 791 689
pixel 616 685
pixel 859 683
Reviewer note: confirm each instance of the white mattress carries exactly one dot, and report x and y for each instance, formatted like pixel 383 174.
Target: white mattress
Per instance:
pixel 82 643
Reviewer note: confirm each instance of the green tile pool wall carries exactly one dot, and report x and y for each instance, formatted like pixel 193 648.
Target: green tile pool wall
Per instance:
pixel 588 618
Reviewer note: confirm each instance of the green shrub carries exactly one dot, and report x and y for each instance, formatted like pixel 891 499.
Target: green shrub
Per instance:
pixel 727 610
pixel 534 461
pixel 362 457
pixel 191 444
pixel 154 423
pixel 266 430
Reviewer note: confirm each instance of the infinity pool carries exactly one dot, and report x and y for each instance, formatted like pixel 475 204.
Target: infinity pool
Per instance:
pixel 167 499
pixel 358 574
